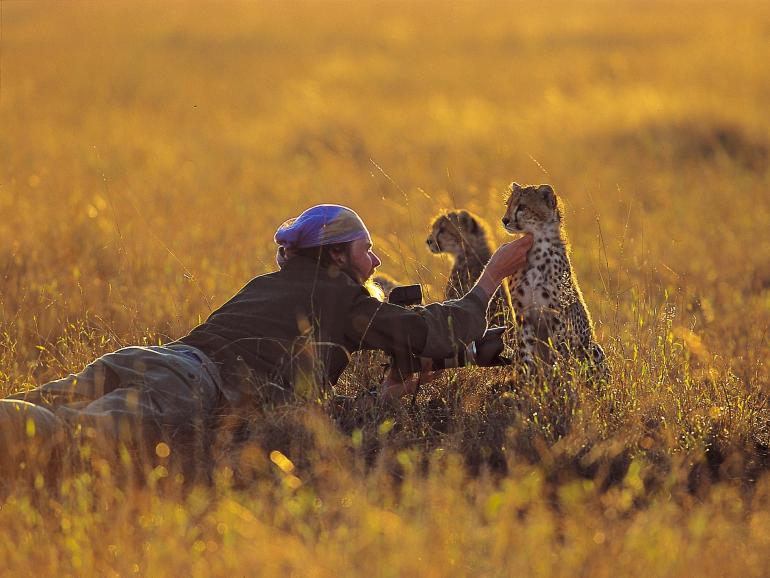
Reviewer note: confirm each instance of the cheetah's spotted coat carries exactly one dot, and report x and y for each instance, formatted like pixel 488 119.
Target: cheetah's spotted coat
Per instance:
pixel 553 320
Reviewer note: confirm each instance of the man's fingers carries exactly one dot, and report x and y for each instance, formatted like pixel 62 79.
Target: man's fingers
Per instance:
pixel 513 255
pixel 424 377
pixel 525 243
pixel 508 259
pixel 522 245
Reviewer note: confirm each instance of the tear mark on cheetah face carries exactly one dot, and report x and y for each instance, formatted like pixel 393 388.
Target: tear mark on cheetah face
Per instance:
pixel 531 209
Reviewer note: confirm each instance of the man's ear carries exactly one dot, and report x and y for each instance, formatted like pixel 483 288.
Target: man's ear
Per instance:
pixel 548 195
pixel 339 257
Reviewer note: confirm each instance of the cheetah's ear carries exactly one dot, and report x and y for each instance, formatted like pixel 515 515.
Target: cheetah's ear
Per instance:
pixel 514 187
pixel 548 194
pixel 467 221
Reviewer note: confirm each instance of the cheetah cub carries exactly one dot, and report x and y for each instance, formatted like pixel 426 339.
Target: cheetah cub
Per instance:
pixel 546 298
pixel 465 237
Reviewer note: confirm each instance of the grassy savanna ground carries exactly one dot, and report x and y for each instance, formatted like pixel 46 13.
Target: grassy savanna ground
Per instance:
pixel 148 152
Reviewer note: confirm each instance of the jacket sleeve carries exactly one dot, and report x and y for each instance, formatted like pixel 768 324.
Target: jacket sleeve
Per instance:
pixel 454 324
pixel 436 330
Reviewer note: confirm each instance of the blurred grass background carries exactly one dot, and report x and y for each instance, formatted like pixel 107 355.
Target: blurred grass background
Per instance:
pixel 148 151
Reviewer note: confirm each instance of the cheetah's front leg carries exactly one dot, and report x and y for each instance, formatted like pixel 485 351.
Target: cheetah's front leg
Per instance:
pixel 527 348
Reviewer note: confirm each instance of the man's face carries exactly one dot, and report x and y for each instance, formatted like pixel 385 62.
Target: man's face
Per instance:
pixel 362 261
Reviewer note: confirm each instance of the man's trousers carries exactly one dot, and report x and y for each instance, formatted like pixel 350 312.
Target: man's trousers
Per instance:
pixel 130 400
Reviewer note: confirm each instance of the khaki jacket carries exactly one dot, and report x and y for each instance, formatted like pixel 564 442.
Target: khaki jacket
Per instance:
pixel 302 322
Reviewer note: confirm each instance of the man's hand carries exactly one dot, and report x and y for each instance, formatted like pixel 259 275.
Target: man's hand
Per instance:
pixel 507 260
pixel 394 387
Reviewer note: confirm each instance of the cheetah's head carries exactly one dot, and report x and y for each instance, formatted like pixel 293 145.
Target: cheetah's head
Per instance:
pixel 451 232
pixel 531 209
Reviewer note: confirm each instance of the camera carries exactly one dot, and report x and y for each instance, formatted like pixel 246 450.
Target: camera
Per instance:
pixel 487 351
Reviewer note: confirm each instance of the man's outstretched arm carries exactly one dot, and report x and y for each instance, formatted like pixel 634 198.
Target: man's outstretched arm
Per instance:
pixel 461 320
pixel 507 260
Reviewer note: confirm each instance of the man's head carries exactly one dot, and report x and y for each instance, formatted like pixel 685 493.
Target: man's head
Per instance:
pixel 332 234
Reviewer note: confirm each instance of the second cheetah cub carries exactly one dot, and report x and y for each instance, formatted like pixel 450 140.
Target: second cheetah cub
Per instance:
pixel 551 312
pixel 465 237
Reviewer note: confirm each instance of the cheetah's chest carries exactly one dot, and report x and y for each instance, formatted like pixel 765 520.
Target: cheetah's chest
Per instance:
pixel 539 286
pixel 536 288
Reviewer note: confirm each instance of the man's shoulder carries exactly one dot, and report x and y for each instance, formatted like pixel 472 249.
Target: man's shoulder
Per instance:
pixel 307 270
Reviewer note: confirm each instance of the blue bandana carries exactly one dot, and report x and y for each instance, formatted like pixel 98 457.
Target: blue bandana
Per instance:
pixel 320 225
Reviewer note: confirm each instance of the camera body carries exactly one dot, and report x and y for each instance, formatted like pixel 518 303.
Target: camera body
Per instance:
pixel 484 352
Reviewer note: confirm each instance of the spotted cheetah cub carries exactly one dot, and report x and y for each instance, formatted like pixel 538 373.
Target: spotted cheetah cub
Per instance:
pixel 551 313
pixel 465 237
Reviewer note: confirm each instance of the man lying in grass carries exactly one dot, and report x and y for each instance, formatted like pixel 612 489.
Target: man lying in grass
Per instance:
pixel 285 333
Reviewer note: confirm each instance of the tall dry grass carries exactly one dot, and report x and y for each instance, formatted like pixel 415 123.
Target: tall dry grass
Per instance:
pixel 149 152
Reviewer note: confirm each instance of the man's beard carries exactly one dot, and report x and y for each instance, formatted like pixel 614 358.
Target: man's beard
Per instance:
pixel 350 272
